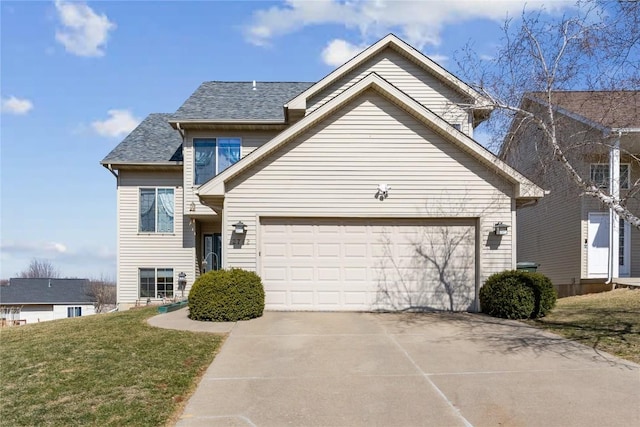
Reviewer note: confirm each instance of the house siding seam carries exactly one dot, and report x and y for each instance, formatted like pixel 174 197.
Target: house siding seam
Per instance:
pixel 323 173
pixel 409 78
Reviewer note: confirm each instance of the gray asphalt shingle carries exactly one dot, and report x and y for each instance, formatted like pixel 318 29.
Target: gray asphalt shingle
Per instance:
pixel 239 101
pixel 153 141
pixel 45 291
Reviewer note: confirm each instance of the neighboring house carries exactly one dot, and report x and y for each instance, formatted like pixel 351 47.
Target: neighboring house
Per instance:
pixel 362 191
pixel 39 300
pixel 572 236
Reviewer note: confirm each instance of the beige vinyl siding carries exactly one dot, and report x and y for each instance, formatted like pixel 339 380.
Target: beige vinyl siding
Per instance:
pixel 407 76
pixel 334 168
pixel 250 140
pixel 150 250
pixel 548 232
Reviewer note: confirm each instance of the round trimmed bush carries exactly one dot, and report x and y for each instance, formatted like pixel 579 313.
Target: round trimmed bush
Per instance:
pixel 226 296
pixel 517 294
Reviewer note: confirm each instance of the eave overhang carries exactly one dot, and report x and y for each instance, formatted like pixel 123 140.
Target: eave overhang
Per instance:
pixel 524 188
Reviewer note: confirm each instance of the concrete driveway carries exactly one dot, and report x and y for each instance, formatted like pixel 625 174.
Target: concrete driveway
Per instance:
pixel 354 369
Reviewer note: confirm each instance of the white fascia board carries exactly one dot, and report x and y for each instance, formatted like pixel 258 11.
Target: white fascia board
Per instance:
pixel 525 188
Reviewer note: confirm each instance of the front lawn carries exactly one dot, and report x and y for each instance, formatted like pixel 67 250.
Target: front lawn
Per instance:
pixel 108 369
pixel 608 321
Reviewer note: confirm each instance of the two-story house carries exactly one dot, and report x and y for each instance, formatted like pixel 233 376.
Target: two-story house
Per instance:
pixel 579 243
pixel 362 191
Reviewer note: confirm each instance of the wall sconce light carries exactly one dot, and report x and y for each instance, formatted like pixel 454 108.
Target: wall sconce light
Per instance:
pixel 192 207
pixel 500 229
pixel 239 227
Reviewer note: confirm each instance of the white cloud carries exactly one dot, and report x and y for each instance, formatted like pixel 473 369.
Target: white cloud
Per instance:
pixel 119 123
pixel 340 51
pixel 440 59
pixel 83 32
pixel 13 105
pixel 419 23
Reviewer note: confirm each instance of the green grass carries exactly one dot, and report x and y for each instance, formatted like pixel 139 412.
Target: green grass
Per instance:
pixel 110 369
pixel 608 321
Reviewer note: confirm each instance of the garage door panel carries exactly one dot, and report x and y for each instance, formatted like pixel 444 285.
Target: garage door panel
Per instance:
pixel 368 264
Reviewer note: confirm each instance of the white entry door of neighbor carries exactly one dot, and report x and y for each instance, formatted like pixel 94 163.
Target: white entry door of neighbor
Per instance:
pixel 598 246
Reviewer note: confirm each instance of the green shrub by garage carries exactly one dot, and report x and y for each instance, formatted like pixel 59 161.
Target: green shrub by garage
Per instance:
pixel 226 296
pixel 517 294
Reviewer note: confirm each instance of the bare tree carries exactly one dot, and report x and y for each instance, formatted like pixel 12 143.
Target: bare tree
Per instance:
pixel 597 47
pixel 103 292
pixel 40 268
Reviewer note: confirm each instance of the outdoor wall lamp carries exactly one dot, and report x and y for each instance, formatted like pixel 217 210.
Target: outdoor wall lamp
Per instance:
pixel 239 227
pixel 500 229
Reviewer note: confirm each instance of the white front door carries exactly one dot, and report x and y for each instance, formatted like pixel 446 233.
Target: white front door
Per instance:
pixel 598 246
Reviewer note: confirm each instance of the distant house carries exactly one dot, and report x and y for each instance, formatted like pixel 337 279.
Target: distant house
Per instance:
pixel 580 244
pixel 38 300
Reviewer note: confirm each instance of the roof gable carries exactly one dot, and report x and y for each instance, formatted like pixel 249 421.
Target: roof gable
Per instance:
pixel 45 291
pixel 392 42
pixel 525 188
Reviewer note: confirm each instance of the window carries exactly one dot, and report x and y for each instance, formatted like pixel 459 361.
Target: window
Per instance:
pixel 156 210
pixel 214 155
pixel 156 282
pixel 600 175
pixel 74 311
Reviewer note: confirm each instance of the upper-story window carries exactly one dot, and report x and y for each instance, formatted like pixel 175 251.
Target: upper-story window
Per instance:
pixel 600 175
pixel 156 210
pixel 213 155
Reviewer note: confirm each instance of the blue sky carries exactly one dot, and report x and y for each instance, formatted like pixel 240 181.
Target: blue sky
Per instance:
pixel 76 77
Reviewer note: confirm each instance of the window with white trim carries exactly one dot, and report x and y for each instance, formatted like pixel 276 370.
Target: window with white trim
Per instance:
pixel 600 175
pixel 212 156
pixel 156 210
pixel 156 282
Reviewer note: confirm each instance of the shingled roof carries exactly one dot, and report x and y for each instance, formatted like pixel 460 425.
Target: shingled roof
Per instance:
pixel 153 141
pixel 234 101
pixel 611 109
pixel 45 291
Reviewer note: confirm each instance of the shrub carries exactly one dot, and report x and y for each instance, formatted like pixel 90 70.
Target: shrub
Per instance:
pixel 517 295
pixel 226 295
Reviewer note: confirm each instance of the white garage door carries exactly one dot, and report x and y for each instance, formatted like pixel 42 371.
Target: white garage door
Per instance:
pixel 367 264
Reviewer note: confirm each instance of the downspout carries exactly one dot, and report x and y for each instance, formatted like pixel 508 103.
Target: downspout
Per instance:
pixel 110 169
pixel 180 130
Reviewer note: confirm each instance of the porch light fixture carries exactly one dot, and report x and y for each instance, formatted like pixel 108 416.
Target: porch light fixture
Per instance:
pixel 239 227
pixel 192 207
pixel 500 229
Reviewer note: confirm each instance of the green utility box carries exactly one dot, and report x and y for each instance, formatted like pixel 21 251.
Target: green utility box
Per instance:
pixel 531 267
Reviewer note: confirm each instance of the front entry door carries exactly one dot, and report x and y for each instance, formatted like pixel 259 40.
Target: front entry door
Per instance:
pixel 212 251
pixel 598 246
pixel 598 249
